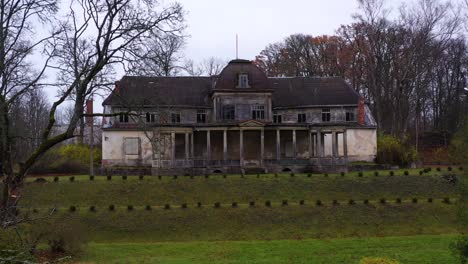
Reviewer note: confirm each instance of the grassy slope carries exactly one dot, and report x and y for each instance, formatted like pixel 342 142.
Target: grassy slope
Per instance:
pixel 152 191
pixel 408 250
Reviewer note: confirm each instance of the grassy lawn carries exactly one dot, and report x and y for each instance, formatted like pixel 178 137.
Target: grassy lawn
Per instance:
pixel 234 188
pixel 408 250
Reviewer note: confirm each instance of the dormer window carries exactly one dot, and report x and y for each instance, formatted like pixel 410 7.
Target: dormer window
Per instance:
pixel 243 80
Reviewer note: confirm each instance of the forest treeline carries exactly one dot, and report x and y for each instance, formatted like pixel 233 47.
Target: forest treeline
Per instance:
pixel 410 65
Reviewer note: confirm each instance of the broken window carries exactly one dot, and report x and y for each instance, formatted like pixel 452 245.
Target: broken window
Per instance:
pixel 175 118
pixel 277 119
pixel 243 80
pixel 229 112
pixel 201 116
pixel 131 146
pixel 326 116
pixel 258 112
pixel 150 118
pixel 123 118
pixel 301 118
pixel 350 116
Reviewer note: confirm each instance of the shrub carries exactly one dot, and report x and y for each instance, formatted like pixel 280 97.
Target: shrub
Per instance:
pixel 191 177
pixel 438 168
pixel 460 249
pixel 351 202
pixel 130 207
pixel 207 176
pixel 414 200
pixel 251 203
pixel 268 204
pixel 391 173
pixel 421 172
pixel 159 177
pixel 148 208
pixel 292 174
pixel 72 178
pixel 258 175
pixel 460 168
pixel 318 203
pixel 335 202
pixel 376 173
pixel 284 202
pixel 325 174
pixel 91 177
pixel 111 207
pixel 217 205
pixel 72 208
pixel 429 200
pixel 360 174
pixel 140 177
pixel 309 175
pixel 199 205
pixel 184 206
pixel 301 202
pixel 234 205
pixel 398 200
pixel 366 201
pixel 35 210
pixel 383 201
pixel 92 208
pixel 167 206
pixel 391 150
pixel 67 237
pixel 342 174
pixel 56 179
pixel 276 175
pixel 406 173
pixel 124 177
pixel 449 168
pixel 224 176
pixel 175 177
pixel 109 177
pixel 378 261
pixel 446 200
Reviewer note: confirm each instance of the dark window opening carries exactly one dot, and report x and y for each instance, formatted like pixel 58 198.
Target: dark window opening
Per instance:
pixel 201 116
pixel 150 118
pixel 175 118
pixel 301 118
pixel 229 112
pixel 350 116
pixel 277 119
pixel 258 112
pixel 326 116
pixel 123 118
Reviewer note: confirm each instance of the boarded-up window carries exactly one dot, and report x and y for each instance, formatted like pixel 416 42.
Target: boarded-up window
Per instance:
pixel 131 146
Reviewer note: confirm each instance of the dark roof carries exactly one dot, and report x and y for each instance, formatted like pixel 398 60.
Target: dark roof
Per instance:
pixel 173 91
pixel 312 91
pixel 228 78
pixel 196 91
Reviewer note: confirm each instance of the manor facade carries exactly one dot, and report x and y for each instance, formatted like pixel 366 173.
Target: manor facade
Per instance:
pixel 237 121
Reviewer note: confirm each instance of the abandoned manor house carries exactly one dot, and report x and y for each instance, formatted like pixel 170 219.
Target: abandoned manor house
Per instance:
pixel 238 121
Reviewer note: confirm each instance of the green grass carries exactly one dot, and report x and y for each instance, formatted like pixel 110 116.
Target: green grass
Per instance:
pixel 408 250
pixel 153 191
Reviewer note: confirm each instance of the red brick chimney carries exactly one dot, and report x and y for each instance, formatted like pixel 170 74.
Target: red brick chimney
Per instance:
pixel 361 111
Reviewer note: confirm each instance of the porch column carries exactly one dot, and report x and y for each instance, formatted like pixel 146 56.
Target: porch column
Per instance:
pixel 186 146
pixel 334 143
pixel 294 144
pixel 225 145
pixel 311 149
pixel 173 149
pixel 278 145
pixel 262 145
pixel 345 146
pixel 241 147
pixel 319 144
pixel 192 151
pixel 208 146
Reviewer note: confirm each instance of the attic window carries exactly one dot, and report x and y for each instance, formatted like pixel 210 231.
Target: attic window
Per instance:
pixel 243 80
pixel 326 116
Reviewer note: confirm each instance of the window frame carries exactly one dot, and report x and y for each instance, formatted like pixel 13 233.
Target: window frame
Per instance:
pixel 150 117
pixel 175 118
pixel 123 118
pixel 243 80
pixel 277 118
pixel 326 115
pixel 228 115
pixel 257 112
pixel 301 118
pixel 202 116
pixel 137 152
pixel 350 113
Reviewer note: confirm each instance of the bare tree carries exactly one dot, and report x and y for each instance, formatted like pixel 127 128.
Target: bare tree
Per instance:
pixel 94 36
pixel 207 67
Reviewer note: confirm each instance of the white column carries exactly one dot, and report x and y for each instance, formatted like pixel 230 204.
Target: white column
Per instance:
pixel 186 146
pixel 173 148
pixel 225 156
pixel 241 147
pixel 278 144
pixel 262 145
pixel 208 146
pixel 294 144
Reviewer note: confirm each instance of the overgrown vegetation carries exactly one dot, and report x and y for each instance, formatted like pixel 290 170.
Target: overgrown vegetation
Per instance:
pixel 391 150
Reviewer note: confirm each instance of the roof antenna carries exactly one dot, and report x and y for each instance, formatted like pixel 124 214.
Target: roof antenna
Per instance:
pixel 237 47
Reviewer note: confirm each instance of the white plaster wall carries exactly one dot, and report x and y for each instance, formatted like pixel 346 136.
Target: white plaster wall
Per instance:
pixel 113 151
pixel 362 144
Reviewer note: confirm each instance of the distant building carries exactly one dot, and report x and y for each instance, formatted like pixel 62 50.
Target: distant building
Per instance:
pixel 239 120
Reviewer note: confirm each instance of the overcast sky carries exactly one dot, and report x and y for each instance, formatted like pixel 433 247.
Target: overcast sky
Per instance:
pixel 213 24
